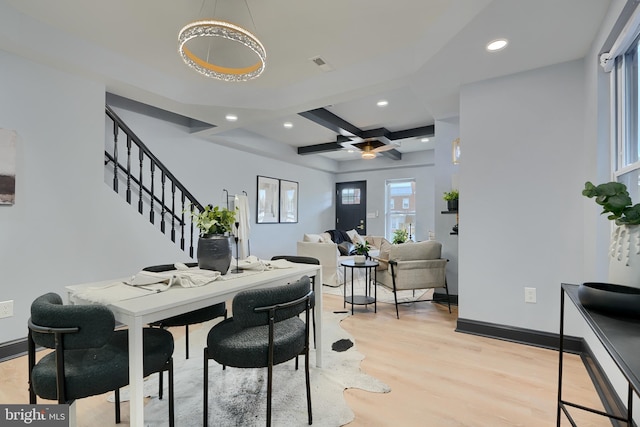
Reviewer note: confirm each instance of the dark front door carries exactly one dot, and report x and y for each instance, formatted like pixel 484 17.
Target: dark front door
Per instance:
pixel 351 206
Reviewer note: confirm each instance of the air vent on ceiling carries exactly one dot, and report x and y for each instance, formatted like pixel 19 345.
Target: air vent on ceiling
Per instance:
pixel 324 66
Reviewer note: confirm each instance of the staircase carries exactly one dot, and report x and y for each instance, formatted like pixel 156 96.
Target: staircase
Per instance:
pixel 143 181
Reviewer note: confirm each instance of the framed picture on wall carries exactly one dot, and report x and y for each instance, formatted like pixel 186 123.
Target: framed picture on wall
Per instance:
pixel 268 203
pixel 288 201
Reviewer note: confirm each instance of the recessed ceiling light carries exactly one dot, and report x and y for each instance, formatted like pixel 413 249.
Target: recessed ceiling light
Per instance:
pixel 496 45
pixel 382 103
pixel 288 125
pixel 231 117
pixel 424 140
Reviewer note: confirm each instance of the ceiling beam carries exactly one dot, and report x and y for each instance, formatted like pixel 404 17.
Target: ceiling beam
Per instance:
pixel 380 133
pixel 319 148
pixel 330 121
pixel 424 131
pixel 350 133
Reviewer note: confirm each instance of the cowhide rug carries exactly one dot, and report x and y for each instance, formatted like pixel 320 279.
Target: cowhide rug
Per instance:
pixel 237 397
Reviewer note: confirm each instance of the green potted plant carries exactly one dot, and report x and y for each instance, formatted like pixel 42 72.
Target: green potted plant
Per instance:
pixel 400 236
pixel 624 257
pixel 214 245
pixel 452 199
pixel 214 220
pixel 362 250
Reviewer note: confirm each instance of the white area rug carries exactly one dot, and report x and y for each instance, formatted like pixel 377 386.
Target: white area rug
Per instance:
pixel 237 397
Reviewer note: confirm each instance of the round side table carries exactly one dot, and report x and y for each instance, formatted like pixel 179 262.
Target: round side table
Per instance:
pixel 367 298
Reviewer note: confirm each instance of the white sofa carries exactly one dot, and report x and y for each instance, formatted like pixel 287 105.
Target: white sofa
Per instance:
pixel 321 247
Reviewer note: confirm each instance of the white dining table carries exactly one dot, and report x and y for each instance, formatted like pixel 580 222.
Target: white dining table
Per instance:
pixel 137 311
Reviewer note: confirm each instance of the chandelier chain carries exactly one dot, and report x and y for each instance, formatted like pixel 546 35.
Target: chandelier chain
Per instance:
pixel 246 3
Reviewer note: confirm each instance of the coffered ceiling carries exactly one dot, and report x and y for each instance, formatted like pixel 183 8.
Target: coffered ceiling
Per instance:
pixel 415 54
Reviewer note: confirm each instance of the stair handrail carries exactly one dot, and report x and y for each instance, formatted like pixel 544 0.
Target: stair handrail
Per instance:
pixel 155 163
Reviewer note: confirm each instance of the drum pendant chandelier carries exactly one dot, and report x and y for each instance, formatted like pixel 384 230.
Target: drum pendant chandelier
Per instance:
pixel 226 30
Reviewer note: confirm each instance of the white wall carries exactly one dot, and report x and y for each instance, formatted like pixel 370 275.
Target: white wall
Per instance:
pixel 530 141
pixel 522 176
pixel 66 226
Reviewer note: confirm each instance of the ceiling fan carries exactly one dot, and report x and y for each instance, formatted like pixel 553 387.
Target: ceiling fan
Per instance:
pixel 370 149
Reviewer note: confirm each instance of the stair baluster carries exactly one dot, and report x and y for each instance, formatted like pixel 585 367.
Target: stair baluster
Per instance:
pixel 147 197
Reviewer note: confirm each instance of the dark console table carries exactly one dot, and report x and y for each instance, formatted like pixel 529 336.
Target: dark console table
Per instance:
pixel 620 336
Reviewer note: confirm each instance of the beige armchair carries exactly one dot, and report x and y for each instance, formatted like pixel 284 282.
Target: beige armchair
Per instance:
pixel 413 266
pixel 329 256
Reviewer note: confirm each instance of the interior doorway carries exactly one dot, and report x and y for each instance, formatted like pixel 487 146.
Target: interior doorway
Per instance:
pixel 351 206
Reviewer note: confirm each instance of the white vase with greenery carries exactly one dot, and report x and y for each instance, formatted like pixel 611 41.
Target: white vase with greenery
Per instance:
pixel 624 249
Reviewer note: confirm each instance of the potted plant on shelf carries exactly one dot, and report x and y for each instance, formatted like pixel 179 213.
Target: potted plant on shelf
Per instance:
pixel 214 245
pixel 624 250
pixel 452 199
pixel 400 236
pixel 362 251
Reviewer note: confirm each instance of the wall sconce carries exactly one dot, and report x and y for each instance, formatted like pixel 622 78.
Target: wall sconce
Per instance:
pixel 455 151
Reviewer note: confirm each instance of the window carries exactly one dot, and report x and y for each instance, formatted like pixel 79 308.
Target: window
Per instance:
pixel 351 196
pixel 629 153
pixel 401 207
pixel 626 109
pixel 622 60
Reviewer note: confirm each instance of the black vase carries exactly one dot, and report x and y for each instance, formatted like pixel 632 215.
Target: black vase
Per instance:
pixel 452 205
pixel 214 252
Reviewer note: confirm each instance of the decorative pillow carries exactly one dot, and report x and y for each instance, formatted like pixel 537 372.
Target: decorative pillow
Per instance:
pixel 326 237
pixel 314 238
pixel 355 237
pixel 385 250
pixel 346 248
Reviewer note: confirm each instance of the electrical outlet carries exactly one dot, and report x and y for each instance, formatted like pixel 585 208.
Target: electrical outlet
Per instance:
pixel 530 295
pixel 6 309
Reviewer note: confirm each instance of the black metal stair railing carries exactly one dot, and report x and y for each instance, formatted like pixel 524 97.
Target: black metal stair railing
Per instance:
pixel 142 179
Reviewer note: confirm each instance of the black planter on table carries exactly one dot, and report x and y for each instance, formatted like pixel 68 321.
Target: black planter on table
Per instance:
pixel 214 252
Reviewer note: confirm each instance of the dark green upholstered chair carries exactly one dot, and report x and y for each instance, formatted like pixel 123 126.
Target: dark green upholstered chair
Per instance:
pixel 191 318
pixel 304 260
pixel 89 356
pixel 265 330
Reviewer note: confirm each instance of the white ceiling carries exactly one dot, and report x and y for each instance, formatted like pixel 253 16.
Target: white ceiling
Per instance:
pixel 414 53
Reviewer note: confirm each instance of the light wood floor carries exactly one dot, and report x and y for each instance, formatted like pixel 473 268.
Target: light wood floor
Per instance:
pixel 438 377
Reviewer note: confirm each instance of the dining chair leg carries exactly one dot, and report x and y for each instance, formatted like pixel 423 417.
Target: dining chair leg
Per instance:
pixel 186 340
pixel 172 413
pixel 116 393
pixel 269 388
pixel 313 315
pixel 306 367
pixel 205 391
pixel 160 384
